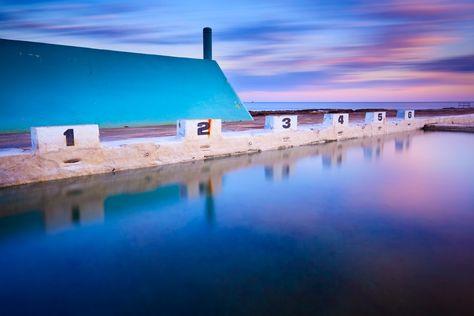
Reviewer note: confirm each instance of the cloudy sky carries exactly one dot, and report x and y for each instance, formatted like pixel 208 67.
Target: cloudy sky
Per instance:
pixel 280 50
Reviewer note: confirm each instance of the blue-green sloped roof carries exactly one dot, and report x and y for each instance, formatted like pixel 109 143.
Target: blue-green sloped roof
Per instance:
pixel 45 84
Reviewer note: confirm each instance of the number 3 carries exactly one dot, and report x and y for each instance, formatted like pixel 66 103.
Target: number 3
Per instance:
pixel 287 122
pixel 203 128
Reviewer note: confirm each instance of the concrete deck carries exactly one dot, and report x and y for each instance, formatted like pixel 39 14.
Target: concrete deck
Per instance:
pixel 21 166
pixel 22 140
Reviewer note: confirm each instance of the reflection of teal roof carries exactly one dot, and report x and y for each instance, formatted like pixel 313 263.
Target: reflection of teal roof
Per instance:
pixel 44 84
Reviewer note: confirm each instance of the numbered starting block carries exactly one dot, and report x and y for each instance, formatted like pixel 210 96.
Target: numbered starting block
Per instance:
pixel 406 114
pixel 54 138
pixel 375 117
pixel 199 129
pixel 336 119
pixel 281 122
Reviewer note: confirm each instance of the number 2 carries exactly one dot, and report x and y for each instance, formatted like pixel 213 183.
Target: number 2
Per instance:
pixel 341 119
pixel 203 128
pixel 69 133
pixel 287 122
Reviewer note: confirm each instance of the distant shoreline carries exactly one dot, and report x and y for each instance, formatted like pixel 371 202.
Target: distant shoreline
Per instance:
pixel 314 106
pixel 390 112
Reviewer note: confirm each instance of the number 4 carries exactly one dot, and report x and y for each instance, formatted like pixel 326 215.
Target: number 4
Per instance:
pixel 341 119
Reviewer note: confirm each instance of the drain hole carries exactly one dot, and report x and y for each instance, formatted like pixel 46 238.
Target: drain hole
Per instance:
pixel 74 160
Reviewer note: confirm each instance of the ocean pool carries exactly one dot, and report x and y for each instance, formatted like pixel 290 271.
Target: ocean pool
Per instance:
pixel 368 226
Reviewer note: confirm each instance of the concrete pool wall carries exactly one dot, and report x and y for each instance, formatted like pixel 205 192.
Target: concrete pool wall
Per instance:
pixel 19 166
pixel 57 200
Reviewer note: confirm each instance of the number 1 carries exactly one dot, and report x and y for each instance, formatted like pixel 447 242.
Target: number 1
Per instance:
pixel 69 133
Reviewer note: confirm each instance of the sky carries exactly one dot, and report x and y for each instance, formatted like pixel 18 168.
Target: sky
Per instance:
pixel 280 50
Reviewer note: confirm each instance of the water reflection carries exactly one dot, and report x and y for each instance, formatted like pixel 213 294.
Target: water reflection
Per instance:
pixel 278 171
pixel 370 226
pixel 373 150
pixel 74 202
pixel 402 143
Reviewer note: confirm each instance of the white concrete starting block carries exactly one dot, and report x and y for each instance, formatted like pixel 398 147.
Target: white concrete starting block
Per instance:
pixel 199 129
pixel 375 117
pixel 406 114
pixel 336 119
pixel 54 138
pixel 281 122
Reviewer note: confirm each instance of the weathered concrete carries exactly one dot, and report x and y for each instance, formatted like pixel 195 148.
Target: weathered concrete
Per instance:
pixel 57 199
pixel 52 138
pixel 20 167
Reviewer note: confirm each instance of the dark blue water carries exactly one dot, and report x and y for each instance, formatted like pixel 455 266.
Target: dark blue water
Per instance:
pixel 274 106
pixel 374 226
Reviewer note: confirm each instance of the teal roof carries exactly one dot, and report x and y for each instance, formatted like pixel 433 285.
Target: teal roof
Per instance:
pixel 45 84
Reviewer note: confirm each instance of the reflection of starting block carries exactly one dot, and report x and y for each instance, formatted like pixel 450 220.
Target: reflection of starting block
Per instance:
pixel 406 114
pixel 371 151
pixel 336 119
pixel 199 129
pixel 60 215
pixel 277 171
pixel 375 117
pixel 402 144
pixel 281 122
pixel 53 138
pixel 334 159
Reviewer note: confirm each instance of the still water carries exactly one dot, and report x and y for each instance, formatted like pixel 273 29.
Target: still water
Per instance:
pixel 371 226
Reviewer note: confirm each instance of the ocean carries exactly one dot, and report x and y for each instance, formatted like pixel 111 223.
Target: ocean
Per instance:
pixel 268 106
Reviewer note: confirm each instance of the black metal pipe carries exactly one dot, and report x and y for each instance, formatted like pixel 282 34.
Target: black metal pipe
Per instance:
pixel 207 42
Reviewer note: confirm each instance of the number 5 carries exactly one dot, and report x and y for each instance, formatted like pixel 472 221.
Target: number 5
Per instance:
pixel 380 116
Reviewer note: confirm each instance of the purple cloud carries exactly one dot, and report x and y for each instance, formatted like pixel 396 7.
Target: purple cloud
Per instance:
pixel 453 64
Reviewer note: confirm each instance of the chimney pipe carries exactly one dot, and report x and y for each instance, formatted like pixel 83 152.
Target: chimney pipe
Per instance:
pixel 207 42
